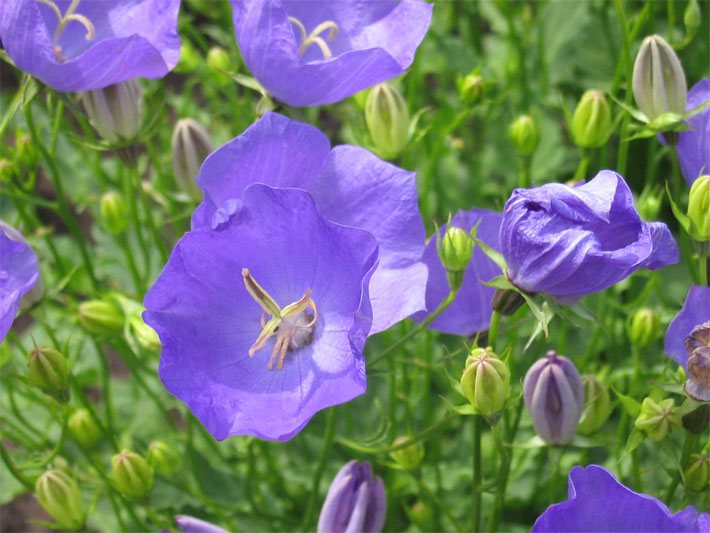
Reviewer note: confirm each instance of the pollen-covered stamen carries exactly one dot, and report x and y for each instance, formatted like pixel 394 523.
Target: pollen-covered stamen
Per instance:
pixel 292 326
pixel 307 39
pixel 65 19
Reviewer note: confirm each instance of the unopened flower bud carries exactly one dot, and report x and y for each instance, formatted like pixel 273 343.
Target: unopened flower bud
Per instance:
pixel 697 475
pixel 356 501
pixel 421 515
pixel 657 419
pixel 163 458
pixel 132 475
pixel 471 88
pixel 523 132
pixel 699 208
pixel 692 18
pixel 554 397
pixel 218 59
pixel 116 111
pixel 114 212
pixel 485 381
pixel 455 249
pixel 649 203
pixel 59 495
pixel 597 405
pixel 387 119
pixel 101 317
pixel 408 458
pixel 591 122
pixel 191 144
pixel 658 79
pixel 146 336
pixel 84 428
pixel 644 327
pixel 48 370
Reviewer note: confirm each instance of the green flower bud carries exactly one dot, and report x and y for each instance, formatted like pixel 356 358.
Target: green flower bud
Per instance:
pixel 48 370
pixel 524 134
pixel 84 428
pixel 387 119
pixel 597 405
pixel 114 212
pixel 699 209
pixel 146 336
pixel 644 327
pixel 471 88
pixel 649 203
pixel 189 58
pixel 591 122
pixel 658 79
pixel 59 495
pixel 455 249
pixel 408 458
pixel 190 146
pixel 218 59
pixel 485 381
pixel 25 150
pixel 658 419
pixel 132 475
pixel 6 169
pixel 421 515
pixel 116 111
pixel 101 317
pixel 163 458
pixel 691 18
pixel 697 474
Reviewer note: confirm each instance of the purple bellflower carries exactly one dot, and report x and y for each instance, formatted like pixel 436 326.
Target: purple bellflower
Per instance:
pixel 263 318
pixel 356 502
pixel 571 241
pixel 19 271
pixel 694 144
pixel 471 311
pixel 318 52
pixel 82 45
pixel 350 185
pixel 597 502
pixel 189 524
pixel 688 341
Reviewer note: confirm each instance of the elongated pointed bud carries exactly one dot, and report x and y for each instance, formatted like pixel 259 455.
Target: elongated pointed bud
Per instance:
pixel 644 327
pixel 597 405
pixel 132 475
pixel 387 119
pixel 554 397
pixel 59 495
pixel 455 249
pixel 84 428
pixel 190 146
pixel 591 122
pixel 658 79
pixel 692 19
pixel 485 381
pixel 163 457
pixel 471 88
pixel 524 134
pixel 116 111
pixel 48 370
pixel 657 419
pixel 697 475
pixel 114 212
pixel 410 457
pixel 699 208
pixel 101 317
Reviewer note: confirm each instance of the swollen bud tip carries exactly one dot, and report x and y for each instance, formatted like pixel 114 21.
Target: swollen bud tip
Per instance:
pixel 524 134
pixel 485 381
pixel 591 122
pixel 387 119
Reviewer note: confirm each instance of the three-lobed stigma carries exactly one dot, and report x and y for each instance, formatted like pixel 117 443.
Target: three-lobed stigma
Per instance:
pixel 308 39
pixel 65 19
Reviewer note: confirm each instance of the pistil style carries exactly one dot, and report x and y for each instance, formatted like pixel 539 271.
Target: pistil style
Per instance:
pixel 307 39
pixel 64 20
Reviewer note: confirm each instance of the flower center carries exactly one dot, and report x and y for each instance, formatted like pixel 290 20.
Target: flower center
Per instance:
pixel 64 20
pixel 291 325
pixel 308 39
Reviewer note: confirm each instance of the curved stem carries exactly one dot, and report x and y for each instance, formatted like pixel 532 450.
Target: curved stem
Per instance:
pixel 477 477
pixel 320 468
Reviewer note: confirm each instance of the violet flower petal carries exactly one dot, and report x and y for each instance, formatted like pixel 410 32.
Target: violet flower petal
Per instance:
pixel 189 524
pixel 695 311
pixel 135 38
pixel 694 145
pixel 207 321
pixel 597 502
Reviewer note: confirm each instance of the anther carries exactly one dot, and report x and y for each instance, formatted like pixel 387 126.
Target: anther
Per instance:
pixel 307 39
pixel 65 19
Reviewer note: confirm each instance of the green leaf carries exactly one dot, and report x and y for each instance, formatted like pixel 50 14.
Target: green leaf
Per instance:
pixel 631 406
pixel 538 311
pixel 635 439
pixel 500 282
pixel 492 254
pixel 248 82
pixel 682 219
pixel 465 409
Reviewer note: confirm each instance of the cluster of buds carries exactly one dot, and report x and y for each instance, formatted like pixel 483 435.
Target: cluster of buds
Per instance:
pixel 485 381
pixel 387 120
pixel 658 418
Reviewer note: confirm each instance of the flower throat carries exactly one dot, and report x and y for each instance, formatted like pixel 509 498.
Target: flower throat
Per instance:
pixel 64 20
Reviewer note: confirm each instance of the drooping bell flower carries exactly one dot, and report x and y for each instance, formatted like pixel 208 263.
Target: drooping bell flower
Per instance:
pixel 471 311
pixel 694 144
pixel 688 341
pixel 356 501
pixel 263 318
pixel 314 53
pixel 571 241
pixel 350 186
pixel 19 271
pixel 597 502
pixel 83 45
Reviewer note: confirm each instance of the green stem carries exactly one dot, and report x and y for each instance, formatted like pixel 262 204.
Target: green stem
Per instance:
pixel 626 59
pixel 493 329
pixel 19 476
pixel 477 477
pixel 583 165
pixel 328 439
pixel 688 446
pixel 132 267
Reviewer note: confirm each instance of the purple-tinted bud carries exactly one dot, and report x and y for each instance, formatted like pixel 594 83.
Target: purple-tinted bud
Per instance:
pixel 189 524
pixel 356 501
pixel 554 397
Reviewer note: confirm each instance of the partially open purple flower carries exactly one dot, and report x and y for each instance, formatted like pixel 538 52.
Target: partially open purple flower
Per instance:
pixel 189 524
pixel 572 241
pixel 694 144
pixel 19 272
pixel 597 502
pixel 356 502
pixel 314 52
pixel 264 317
pixel 350 186
pixel 471 311
pixel 82 45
